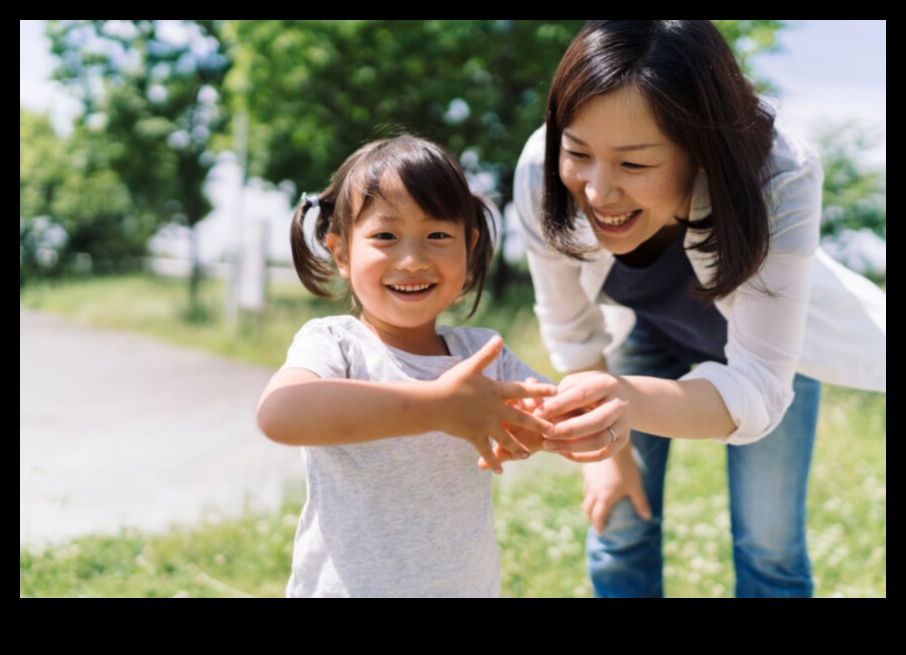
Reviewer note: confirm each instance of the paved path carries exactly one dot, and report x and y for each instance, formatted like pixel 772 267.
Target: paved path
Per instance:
pixel 116 430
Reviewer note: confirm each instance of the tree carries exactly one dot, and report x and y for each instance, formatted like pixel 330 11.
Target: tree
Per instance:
pixel 41 151
pixel 153 88
pixel 316 90
pixel 75 212
pixel 854 199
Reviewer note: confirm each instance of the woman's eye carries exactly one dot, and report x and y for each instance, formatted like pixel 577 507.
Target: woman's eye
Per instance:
pixel 633 167
pixel 576 155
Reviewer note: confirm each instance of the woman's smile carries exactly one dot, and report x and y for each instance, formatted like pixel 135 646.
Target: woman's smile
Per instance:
pixel 610 222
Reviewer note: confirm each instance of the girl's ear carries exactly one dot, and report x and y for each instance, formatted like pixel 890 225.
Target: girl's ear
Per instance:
pixel 338 252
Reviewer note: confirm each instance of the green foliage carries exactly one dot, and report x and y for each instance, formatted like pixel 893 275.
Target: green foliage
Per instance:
pixel 317 90
pixel 749 38
pixel 41 167
pixel 855 193
pixel 235 558
pixel 152 88
pixel 76 213
pixel 854 210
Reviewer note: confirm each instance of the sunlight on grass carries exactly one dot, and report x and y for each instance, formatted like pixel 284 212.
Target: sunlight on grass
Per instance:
pixel 540 526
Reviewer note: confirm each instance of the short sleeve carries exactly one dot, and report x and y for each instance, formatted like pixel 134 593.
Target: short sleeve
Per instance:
pixel 515 370
pixel 318 347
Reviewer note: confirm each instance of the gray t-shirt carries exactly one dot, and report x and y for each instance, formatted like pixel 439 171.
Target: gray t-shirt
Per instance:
pixel 402 517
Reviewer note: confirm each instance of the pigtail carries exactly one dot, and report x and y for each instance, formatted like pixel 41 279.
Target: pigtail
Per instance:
pixel 482 253
pixel 314 271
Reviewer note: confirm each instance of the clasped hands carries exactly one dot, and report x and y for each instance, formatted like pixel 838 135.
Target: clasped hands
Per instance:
pixel 585 418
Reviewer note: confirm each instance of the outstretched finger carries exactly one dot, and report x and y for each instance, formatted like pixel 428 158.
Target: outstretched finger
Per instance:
pixel 531 404
pixel 527 389
pixel 485 356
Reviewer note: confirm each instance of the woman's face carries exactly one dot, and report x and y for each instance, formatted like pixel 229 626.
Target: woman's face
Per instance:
pixel 626 175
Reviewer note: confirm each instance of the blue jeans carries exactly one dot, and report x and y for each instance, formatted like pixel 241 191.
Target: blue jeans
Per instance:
pixel 768 481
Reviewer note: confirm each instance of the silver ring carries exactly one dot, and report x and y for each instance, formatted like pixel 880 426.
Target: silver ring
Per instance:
pixel 613 436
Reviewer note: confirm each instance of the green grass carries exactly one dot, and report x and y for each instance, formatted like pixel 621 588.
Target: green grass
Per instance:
pixel 540 525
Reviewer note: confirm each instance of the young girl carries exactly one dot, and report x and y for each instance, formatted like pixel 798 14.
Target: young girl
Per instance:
pixel 389 406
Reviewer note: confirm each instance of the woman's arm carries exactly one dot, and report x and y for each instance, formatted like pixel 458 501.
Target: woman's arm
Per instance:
pixel 742 401
pixel 299 408
pixel 681 409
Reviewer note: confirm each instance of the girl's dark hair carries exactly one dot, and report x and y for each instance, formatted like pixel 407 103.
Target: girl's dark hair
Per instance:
pixel 430 175
pixel 702 102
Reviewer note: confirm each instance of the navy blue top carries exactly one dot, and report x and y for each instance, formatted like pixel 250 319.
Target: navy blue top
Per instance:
pixel 688 328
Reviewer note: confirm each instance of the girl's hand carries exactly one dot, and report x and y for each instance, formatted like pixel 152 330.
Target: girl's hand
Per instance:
pixel 608 481
pixel 532 441
pixel 478 409
pixel 591 413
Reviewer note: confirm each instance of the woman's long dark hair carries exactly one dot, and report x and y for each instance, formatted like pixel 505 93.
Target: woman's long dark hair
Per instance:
pixel 430 175
pixel 702 102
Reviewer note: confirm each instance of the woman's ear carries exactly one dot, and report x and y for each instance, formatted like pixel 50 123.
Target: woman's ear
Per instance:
pixel 475 235
pixel 338 252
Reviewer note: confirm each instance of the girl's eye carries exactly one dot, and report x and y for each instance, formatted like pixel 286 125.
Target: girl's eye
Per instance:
pixel 383 236
pixel 439 235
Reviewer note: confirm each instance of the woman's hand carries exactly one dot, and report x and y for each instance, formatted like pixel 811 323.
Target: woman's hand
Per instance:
pixel 591 417
pixel 477 409
pixel 606 482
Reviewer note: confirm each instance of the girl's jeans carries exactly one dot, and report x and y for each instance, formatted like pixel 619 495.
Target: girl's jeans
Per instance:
pixel 767 480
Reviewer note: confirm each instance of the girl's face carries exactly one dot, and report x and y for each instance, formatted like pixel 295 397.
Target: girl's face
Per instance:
pixel 404 266
pixel 626 175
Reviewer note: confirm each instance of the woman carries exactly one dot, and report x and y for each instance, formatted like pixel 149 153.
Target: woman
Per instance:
pixel 672 236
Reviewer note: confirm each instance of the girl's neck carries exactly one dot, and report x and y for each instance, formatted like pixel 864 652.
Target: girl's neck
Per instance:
pixel 422 340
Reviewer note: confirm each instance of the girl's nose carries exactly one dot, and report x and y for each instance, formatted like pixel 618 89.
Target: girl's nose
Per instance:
pixel 412 258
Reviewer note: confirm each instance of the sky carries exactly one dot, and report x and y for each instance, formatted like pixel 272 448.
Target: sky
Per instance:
pixel 828 72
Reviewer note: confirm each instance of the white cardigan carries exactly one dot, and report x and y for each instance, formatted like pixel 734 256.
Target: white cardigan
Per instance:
pixel 822 320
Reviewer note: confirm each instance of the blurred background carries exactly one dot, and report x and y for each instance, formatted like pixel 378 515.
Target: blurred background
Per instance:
pixel 189 141
pixel 159 165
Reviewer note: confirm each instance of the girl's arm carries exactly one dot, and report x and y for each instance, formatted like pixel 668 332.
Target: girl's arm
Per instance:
pixel 299 408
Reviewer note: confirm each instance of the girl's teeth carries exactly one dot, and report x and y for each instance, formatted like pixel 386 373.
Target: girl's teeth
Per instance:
pixel 410 288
